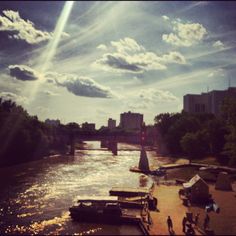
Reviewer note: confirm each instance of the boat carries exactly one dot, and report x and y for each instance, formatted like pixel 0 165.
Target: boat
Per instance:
pixel 101 209
pixel 96 209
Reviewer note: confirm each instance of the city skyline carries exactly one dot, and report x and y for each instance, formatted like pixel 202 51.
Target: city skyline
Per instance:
pixel 90 61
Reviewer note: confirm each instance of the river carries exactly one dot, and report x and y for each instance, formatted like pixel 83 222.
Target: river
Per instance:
pixel 35 197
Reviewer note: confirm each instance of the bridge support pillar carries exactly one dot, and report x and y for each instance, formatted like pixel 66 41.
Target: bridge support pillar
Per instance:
pixel 104 144
pixel 72 148
pixel 112 146
pixel 72 144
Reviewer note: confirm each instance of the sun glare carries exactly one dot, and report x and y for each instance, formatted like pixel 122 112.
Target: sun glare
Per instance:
pixel 45 60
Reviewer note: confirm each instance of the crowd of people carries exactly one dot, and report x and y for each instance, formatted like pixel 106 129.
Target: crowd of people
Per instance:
pixel 188 224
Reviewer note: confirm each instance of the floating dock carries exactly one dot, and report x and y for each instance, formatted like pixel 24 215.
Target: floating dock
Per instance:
pixel 129 192
pixel 111 210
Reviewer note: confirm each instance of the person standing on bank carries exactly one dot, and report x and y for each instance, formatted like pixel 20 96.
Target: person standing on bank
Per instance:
pixel 206 222
pixel 184 223
pixel 169 224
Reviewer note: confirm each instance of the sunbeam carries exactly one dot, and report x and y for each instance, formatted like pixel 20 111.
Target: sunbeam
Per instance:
pixel 52 46
pixel 47 56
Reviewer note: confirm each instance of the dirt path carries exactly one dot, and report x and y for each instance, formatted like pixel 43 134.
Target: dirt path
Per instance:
pixel 169 204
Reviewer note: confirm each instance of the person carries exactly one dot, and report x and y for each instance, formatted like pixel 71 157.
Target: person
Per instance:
pixel 184 223
pixel 169 224
pixel 206 222
pixel 190 230
pixel 196 219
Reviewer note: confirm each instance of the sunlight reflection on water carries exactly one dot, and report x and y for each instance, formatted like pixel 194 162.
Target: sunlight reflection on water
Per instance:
pixel 38 202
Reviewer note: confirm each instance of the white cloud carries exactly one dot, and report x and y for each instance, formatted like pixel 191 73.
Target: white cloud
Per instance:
pixel 174 57
pixel 165 17
pixel 50 93
pixel 157 95
pixel 13 97
pixel 102 47
pixel 128 56
pixel 23 72
pixel 218 44
pixel 216 73
pixel 150 97
pixel 186 34
pixel 127 45
pixel 79 85
pixel 21 29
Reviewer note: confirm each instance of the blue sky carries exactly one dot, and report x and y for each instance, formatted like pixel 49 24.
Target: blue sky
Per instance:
pixel 105 58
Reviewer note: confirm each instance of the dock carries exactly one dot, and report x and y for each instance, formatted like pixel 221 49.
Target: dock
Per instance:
pixel 193 164
pixel 126 206
pixel 129 192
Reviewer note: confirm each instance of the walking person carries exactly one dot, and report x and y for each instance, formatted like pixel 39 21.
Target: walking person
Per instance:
pixel 169 224
pixel 184 223
pixel 196 219
pixel 206 222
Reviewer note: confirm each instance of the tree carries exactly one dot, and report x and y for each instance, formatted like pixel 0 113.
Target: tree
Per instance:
pixel 228 112
pixel 195 144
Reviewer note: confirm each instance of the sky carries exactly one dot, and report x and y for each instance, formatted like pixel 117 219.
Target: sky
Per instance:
pixel 90 61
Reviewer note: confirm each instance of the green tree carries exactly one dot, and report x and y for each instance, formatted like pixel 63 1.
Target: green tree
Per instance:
pixel 195 145
pixel 228 112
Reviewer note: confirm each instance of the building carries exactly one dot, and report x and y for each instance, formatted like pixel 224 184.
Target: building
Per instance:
pixel 88 126
pixel 207 102
pixel 129 120
pixel 197 189
pixel 111 124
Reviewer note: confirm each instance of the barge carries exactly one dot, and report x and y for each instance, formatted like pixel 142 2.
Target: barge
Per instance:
pixel 107 209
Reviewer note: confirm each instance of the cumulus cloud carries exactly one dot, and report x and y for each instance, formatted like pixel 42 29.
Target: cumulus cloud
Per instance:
pixel 186 34
pixel 165 17
pixel 218 44
pixel 128 56
pixel 150 97
pixel 102 47
pixel 13 97
pixel 85 86
pixel 22 29
pixel 127 45
pixel 174 57
pixel 79 85
pixel 23 72
pixel 157 95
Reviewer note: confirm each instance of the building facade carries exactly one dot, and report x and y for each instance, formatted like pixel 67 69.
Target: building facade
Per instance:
pixel 129 120
pixel 111 124
pixel 207 102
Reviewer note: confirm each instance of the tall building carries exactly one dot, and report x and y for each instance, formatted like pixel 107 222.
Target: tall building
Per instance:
pixel 129 120
pixel 111 123
pixel 207 102
pixel 88 126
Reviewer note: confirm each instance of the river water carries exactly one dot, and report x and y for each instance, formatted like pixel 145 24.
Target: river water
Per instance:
pixel 35 197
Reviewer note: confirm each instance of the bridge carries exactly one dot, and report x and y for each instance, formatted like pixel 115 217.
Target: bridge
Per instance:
pixel 109 141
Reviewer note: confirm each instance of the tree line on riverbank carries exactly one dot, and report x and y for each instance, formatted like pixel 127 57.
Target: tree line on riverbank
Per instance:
pixel 25 138
pixel 201 135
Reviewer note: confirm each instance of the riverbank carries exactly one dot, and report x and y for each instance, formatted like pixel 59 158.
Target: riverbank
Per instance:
pixel 169 203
